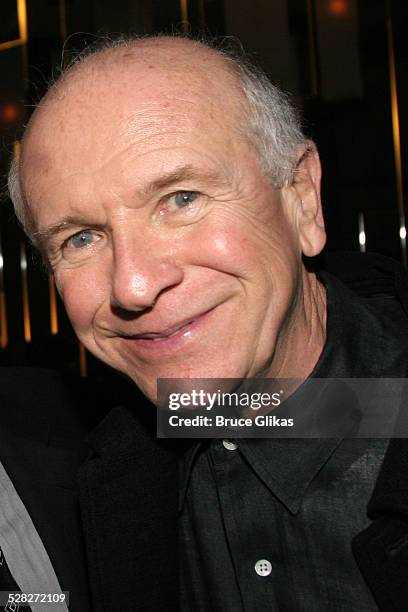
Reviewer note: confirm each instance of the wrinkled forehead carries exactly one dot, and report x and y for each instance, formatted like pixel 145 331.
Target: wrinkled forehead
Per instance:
pixel 129 94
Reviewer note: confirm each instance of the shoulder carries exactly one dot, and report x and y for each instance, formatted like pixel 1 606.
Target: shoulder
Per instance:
pixel 371 308
pixel 370 275
pixel 44 404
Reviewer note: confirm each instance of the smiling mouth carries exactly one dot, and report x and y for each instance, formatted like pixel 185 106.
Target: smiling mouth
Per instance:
pixel 165 335
pixel 170 332
pixel 177 331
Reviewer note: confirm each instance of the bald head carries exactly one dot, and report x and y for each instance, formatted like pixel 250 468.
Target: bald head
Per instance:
pixel 167 53
pixel 133 77
pixel 158 67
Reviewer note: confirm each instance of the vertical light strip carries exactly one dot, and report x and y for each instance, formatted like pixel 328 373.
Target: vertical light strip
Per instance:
pixel 22 20
pixel 83 366
pixel 53 306
pixel 24 291
pixel 184 15
pixel 396 133
pixel 22 28
pixel 3 309
pixel 201 13
pixel 361 233
pixel 62 10
pixel 311 27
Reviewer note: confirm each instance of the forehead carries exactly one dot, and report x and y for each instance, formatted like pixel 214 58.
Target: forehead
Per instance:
pixel 131 96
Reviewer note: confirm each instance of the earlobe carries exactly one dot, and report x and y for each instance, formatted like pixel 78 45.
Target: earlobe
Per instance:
pixel 306 183
pixel 312 233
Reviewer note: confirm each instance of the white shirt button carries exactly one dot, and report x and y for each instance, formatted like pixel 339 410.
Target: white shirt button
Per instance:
pixel 230 444
pixel 263 567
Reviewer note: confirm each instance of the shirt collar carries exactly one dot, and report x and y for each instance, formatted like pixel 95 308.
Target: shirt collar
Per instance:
pixel 287 467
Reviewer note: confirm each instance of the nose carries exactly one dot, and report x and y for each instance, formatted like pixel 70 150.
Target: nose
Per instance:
pixel 141 272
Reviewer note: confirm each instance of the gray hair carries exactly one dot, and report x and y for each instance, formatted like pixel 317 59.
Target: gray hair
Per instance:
pixel 271 121
pixel 15 194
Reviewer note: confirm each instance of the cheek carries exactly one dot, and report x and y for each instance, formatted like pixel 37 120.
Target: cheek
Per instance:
pixel 226 249
pixel 215 247
pixel 82 295
pixel 243 251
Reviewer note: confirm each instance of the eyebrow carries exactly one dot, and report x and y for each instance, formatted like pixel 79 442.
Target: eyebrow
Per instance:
pixel 67 223
pixel 183 173
pixel 186 172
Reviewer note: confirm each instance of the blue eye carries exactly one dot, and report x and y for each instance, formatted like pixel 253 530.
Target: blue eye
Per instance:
pixel 184 198
pixel 82 239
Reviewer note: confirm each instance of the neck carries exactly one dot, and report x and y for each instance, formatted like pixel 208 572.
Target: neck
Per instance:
pixel 301 342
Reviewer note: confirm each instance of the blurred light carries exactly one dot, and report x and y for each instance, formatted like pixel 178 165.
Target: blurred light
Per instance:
pixel 338 8
pixel 396 132
pixel 361 233
pixel 24 291
pixel 184 15
pixel 23 258
pixel 53 306
pixel 9 112
pixel 16 148
pixel 22 28
pixel 22 20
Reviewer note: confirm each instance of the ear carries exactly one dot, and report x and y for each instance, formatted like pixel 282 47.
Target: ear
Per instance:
pixel 306 185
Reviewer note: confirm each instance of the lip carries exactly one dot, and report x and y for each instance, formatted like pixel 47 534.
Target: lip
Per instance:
pixel 172 337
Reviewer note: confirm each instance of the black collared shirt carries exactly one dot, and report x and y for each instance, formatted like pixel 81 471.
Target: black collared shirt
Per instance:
pixel 268 525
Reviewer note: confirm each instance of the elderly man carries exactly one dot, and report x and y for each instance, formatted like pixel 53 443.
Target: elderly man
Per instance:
pixel 172 193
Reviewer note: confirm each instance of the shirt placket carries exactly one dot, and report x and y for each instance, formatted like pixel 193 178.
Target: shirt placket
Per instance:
pixel 251 554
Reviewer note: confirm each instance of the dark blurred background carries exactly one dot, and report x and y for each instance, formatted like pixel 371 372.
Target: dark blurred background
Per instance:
pixel 345 62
